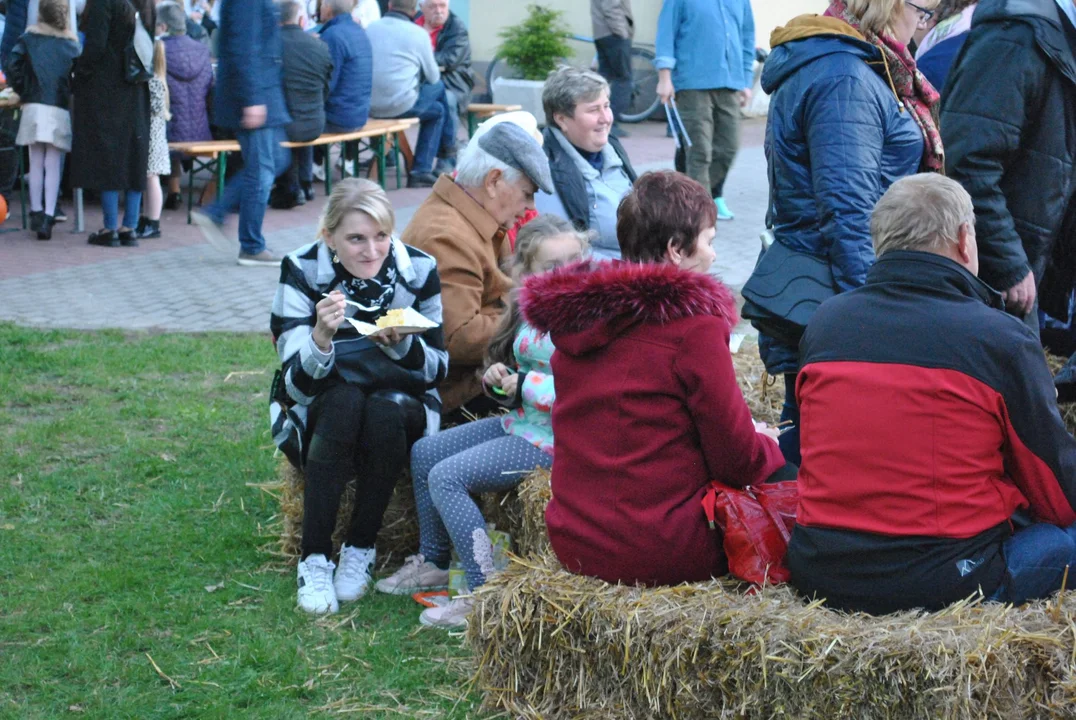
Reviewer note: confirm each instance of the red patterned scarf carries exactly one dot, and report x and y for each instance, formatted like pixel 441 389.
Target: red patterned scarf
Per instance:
pixel 911 87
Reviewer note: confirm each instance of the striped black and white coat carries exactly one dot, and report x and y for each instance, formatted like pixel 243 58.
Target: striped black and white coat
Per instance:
pixel 306 275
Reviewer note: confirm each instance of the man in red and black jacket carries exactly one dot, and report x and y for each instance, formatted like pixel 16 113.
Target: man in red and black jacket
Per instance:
pixel 935 463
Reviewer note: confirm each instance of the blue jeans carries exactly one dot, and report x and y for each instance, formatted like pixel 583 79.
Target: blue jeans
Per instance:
pixel 248 192
pixel 1036 557
pixel 436 127
pixel 790 438
pixel 110 208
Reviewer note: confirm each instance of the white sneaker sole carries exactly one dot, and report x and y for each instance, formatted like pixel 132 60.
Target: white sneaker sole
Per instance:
pixel 212 232
pixel 247 262
pixel 431 624
pixel 409 591
pixel 344 597
pixel 332 609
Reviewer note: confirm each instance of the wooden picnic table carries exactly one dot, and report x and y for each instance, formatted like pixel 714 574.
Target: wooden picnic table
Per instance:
pixel 477 112
pixel 212 155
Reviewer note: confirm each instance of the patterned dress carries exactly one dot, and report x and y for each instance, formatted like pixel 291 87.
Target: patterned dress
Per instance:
pixel 159 163
pixel 533 421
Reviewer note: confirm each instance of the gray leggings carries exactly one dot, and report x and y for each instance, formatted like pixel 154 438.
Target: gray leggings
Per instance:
pixel 446 468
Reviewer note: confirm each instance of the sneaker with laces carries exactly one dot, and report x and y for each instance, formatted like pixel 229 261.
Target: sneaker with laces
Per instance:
pixel 353 573
pixel 316 593
pixel 451 616
pixel 416 575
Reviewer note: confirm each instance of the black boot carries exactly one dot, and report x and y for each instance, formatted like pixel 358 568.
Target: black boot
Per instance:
pixel 141 228
pixel 44 232
pixel 105 238
pixel 174 201
pixel 152 229
pixel 127 238
pixel 36 217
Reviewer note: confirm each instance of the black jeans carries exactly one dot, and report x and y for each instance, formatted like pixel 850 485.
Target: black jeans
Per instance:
pixel 355 436
pixel 790 437
pixel 614 64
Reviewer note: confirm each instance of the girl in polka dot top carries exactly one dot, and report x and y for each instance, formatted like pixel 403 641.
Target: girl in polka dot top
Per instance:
pixel 493 454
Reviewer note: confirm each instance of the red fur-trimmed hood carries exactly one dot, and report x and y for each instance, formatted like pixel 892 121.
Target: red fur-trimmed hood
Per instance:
pixel 601 300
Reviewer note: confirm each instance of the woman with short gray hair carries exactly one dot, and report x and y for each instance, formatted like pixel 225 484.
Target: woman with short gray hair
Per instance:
pixel 590 169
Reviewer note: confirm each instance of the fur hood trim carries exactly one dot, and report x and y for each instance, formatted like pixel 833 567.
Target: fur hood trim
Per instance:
pixel 42 29
pixel 575 298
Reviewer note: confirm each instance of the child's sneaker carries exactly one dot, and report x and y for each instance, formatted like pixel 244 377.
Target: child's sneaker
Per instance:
pixel 316 594
pixel 353 573
pixel 723 212
pixel 451 616
pixel 416 575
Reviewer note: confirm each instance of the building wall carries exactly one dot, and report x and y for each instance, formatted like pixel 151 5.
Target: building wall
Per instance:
pixel 487 17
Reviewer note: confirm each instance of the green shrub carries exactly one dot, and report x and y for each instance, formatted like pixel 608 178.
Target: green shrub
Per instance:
pixel 535 46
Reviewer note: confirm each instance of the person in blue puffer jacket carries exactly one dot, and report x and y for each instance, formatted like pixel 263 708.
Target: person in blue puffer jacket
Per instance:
pixel 849 115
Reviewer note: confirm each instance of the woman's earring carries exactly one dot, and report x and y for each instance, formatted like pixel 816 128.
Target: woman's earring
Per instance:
pixel 336 259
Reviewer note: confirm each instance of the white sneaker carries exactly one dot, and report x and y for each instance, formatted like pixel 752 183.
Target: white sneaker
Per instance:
pixel 316 594
pixel 353 573
pixel 452 615
pixel 416 575
pixel 319 173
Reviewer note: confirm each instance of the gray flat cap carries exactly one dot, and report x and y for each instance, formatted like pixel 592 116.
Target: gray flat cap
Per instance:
pixel 513 146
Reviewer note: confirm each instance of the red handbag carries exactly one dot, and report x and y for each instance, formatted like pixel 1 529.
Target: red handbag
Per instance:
pixel 757 522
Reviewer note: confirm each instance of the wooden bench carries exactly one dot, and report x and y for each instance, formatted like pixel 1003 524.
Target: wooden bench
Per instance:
pixel 477 112
pixel 212 155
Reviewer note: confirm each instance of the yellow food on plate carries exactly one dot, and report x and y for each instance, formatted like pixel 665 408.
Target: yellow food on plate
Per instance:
pixel 393 318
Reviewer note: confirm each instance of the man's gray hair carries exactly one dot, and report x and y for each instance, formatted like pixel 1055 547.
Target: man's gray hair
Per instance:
pixel 566 87
pixel 474 164
pixel 171 15
pixel 289 11
pixel 408 7
pixel 340 7
pixel 920 212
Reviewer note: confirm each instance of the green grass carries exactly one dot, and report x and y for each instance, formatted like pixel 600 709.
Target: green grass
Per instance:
pixel 128 531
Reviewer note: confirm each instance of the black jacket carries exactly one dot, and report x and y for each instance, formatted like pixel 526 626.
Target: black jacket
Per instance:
pixel 929 420
pixel 569 183
pixel 453 56
pixel 307 68
pixel 40 65
pixel 109 116
pixel 1008 121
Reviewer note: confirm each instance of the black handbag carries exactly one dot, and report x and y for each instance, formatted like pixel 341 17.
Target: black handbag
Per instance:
pixel 784 290
pixel 138 53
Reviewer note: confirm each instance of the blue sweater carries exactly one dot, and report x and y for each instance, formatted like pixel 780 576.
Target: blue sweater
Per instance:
pixel 352 80
pixel 708 44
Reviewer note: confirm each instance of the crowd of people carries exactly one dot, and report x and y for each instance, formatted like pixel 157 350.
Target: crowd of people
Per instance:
pixel 260 72
pixel 921 420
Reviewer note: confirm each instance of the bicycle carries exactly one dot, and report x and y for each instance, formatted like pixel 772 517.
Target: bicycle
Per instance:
pixel 644 83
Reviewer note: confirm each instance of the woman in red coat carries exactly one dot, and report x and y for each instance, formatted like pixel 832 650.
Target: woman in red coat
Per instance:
pixel 648 410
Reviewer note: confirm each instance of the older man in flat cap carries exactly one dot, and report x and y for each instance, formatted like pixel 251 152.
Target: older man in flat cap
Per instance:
pixel 463 224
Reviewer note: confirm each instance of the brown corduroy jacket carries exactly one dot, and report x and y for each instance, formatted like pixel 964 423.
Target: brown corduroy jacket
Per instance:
pixel 469 246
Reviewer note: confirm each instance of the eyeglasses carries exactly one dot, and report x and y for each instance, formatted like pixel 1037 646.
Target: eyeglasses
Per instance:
pixel 924 14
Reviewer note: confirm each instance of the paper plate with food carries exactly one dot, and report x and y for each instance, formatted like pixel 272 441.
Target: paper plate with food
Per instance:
pixel 406 321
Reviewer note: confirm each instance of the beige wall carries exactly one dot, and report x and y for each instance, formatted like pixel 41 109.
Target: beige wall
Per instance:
pixel 489 16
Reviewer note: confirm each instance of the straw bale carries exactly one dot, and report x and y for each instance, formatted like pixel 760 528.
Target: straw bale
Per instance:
pixel 555 645
pixel 764 393
pixel 399 532
pixel 534 494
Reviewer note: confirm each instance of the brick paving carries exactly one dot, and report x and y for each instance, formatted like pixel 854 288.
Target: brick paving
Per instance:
pixel 182 283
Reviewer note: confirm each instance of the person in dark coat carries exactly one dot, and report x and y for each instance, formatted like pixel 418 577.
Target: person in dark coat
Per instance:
pixel 840 131
pixel 110 117
pixel 190 84
pixel 307 70
pixel 935 462
pixel 249 99
pixel 452 51
pixel 347 106
pixel 1009 120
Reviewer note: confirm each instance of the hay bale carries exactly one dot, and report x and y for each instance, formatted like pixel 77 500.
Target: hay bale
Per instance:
pixel 555 645
pixel 399 531
pixel 764 393
pixel 534 494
